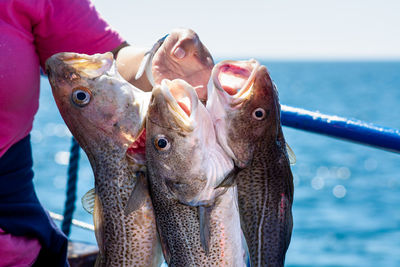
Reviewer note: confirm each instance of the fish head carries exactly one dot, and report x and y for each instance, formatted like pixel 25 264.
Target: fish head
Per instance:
pixel 100 108
pixel 243 102
pixel 181 148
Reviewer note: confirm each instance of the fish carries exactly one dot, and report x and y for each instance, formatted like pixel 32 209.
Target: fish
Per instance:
pixel 244 106
pixel 198 224
pixel 106 116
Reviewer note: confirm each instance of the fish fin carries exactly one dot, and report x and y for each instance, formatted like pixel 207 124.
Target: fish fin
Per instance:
pixel 149 72
pixel 99 261
pixel 205 231
pixel 98 226
pixel 164 247
pixel 88 200
pixel 245 247
pixel 139 194
pixel 143 65
pixel 292 156
pixel 159 258
pixel 230 178
pixel 146 63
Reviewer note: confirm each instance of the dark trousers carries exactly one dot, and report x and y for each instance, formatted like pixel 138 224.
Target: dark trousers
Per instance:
pixel 21 214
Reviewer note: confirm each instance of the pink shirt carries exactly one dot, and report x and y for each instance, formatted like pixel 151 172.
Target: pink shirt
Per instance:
pixel 30 32
pixel 17 251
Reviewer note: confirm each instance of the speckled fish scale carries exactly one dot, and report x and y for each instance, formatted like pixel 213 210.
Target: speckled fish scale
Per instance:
pixel 245 109
pixel 180 164
pixel 105 114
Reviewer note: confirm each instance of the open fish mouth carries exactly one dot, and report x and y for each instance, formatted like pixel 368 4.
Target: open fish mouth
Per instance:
pixel 231 84
pixel 137 150
pixel 235 79
pixel 89 66
pixel 182 102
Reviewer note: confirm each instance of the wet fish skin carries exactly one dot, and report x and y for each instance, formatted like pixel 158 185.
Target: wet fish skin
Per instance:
pixel 179 229
pixel 105 126
pixel 178 223
pixel 265 182
pixel 274 210
pixel 175 175
pixel 194 163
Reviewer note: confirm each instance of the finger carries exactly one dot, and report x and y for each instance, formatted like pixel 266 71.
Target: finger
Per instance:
pixel 179 53
pixel 186 43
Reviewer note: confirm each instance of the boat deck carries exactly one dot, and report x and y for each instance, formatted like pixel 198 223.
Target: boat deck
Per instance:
pixel 82 254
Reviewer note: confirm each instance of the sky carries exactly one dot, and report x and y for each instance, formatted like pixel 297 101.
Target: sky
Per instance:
pixel 278 29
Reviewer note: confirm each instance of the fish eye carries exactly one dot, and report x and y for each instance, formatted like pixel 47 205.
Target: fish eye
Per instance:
pixel 161 143
pixel 81 96
pixel 259 114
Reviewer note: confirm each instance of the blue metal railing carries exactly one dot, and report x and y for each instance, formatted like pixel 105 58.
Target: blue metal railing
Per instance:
pixel 338 127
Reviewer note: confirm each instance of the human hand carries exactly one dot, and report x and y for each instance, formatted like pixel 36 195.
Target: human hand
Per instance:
pixel 183 56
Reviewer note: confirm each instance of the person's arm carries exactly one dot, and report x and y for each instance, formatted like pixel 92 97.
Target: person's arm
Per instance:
pixel 182 55
pixel 128 60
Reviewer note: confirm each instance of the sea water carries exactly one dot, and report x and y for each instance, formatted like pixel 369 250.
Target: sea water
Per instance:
pixel 347 196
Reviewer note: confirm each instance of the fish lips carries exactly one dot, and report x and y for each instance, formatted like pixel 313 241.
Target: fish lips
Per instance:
pixel 233 80
pixel 71 66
